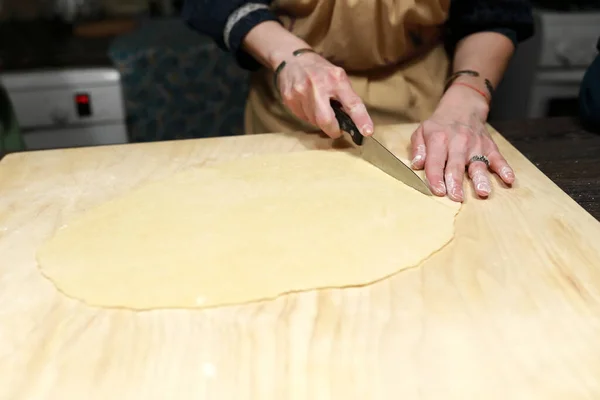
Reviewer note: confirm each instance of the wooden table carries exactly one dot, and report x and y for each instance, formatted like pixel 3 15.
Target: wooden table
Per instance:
pixel 509 309
pixel 564 151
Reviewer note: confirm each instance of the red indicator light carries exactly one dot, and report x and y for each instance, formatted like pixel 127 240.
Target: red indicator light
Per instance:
pixel 83 104
pixel 82 99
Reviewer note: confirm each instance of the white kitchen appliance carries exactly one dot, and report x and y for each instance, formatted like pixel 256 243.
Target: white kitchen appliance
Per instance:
pixel 68 107
pixel 545 74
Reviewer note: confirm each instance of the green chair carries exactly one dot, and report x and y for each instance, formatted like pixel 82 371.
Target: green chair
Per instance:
pixel 10 135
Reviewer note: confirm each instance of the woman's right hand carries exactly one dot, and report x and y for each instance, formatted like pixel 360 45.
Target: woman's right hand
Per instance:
pixel 308 82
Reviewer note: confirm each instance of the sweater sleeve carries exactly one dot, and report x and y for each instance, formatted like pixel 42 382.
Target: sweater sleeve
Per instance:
pixel 589 95
pixel 228 22
pixel 512 18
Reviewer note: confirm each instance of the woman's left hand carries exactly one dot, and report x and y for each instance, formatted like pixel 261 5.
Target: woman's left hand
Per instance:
pixel 445 143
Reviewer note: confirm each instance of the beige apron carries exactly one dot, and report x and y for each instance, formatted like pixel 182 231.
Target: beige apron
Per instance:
pixel 390 49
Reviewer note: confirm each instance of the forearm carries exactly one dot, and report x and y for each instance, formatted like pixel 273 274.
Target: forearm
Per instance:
pixel 270 44
pixel 483 34
pixel 486 53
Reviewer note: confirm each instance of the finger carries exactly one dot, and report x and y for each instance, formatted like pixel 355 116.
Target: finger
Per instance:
pixel 500 166
pixel 295 106
pixel 437 153
pixel 455 167
pixel 355 108
pixel 308 110
pixel 478 172
pixel 418 149
pixel 292 97
pixel 324 115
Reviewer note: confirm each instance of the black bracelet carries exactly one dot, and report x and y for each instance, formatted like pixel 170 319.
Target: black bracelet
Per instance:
pixel 469 72
pixel 283 64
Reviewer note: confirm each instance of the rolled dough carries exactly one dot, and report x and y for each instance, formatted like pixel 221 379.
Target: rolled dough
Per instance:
pixel 247 230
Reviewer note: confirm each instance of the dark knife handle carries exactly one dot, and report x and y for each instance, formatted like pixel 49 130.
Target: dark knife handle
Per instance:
pixel 346 123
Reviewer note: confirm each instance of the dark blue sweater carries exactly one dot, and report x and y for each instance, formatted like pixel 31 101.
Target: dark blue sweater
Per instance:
pixel 512 18
pixel 589 95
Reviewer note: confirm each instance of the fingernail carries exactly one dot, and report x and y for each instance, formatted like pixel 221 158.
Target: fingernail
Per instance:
pixel 420 155
pixel 417 158
pixel 454 193
pixel 484 188
pixel 453 189
pixel 367 129
pixel 440 188
pixel 507 173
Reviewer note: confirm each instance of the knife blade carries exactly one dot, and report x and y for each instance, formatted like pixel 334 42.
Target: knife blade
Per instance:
pixel 372 151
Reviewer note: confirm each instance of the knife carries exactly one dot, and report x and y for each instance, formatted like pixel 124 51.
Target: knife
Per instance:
pixel 377 154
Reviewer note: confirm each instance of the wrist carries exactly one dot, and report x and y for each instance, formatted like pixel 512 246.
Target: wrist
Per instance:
pixel 468 97
pixel 272 44
pixel 284 53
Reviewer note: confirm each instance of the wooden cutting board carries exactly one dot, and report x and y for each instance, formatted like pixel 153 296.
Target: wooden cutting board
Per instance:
pixel 510 309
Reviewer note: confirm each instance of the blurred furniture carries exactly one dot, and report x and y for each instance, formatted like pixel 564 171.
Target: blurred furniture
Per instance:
pixel 178 84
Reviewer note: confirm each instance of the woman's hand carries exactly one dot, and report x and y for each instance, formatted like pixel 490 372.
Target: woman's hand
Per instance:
pixel 308 82
pixel 456 132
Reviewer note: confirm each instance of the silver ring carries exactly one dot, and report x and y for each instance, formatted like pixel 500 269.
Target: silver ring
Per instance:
pixel 480 158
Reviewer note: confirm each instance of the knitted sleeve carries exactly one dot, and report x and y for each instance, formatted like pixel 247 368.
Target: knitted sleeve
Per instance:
pixel 228 22
pixel 512 18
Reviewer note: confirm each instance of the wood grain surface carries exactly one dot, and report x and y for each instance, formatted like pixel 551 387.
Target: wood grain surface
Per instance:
pixel 565 151
pixel 510 309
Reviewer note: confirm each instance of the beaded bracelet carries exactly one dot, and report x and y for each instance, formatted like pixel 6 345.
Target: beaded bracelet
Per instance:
pixel 283 64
